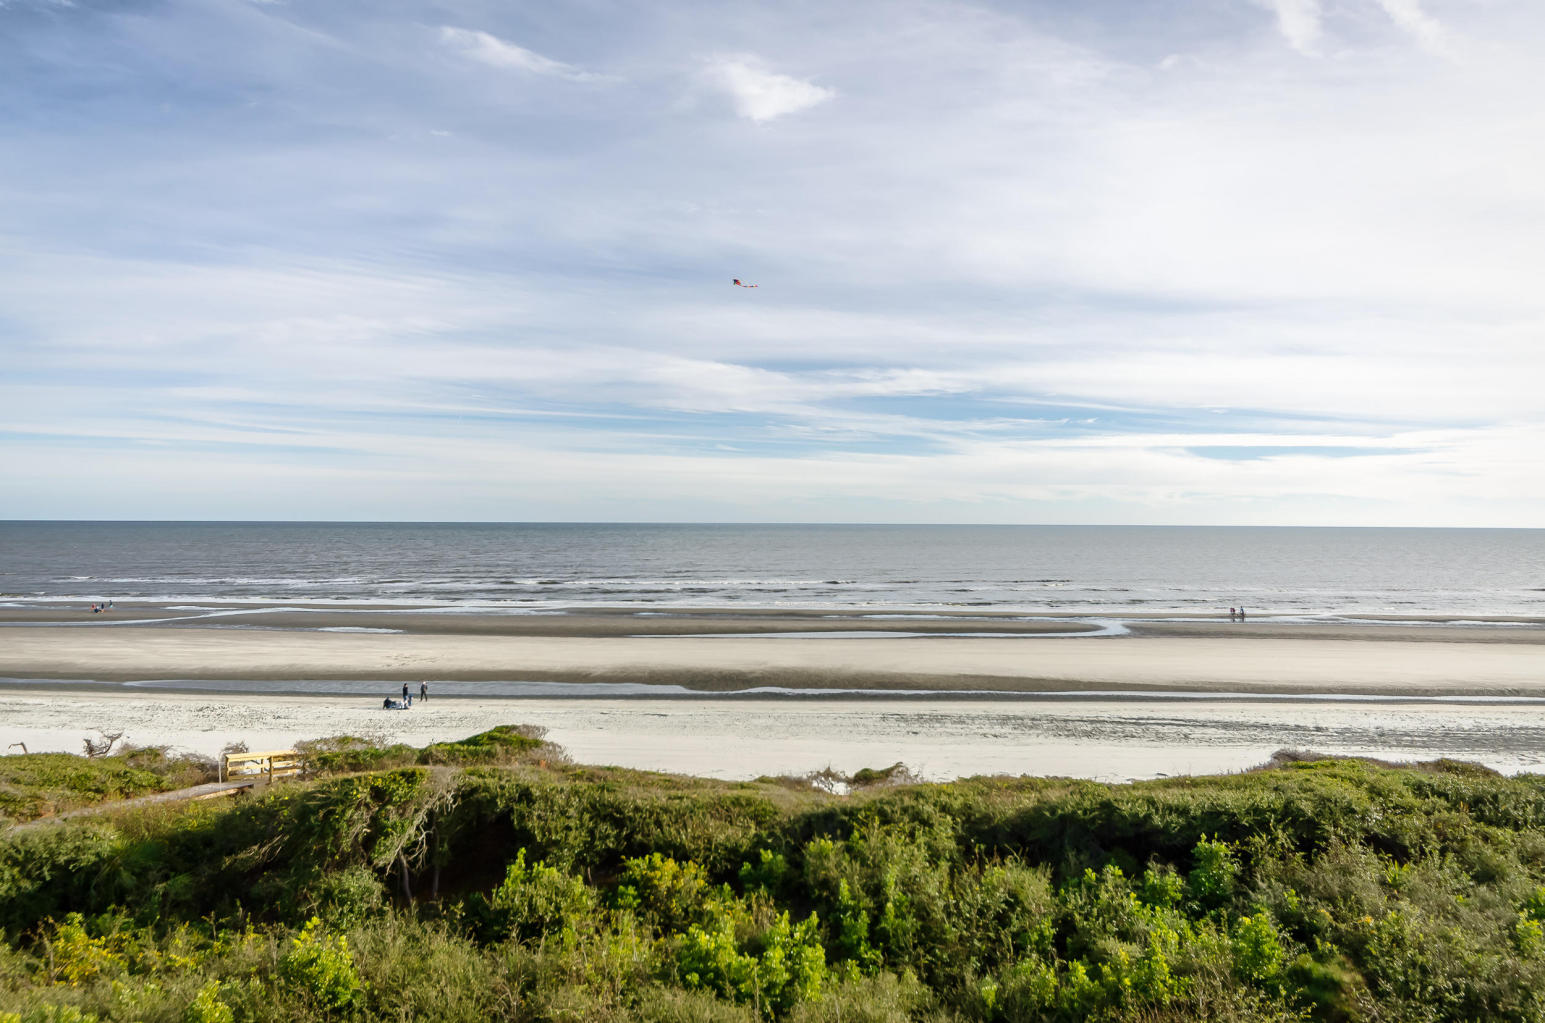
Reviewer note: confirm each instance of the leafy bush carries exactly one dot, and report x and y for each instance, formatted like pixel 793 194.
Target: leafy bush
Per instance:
pixel 1258 952
pixel 535 902
pixel 782 966
pixel 506 744
pixel 667 895
pixel 768 875
pixel 343 754
pixel 1211 881
pixel 207 1007
pixel 77 956
pixel 320 968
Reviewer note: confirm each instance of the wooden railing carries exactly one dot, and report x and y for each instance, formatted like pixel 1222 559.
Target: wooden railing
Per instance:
pixel 281 763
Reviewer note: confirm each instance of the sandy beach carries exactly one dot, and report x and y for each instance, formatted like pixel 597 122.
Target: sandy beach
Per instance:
pixel 718 652
pixel 1139 696
pixel 747 737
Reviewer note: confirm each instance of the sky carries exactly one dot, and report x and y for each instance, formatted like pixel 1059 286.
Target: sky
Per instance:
pixel 1270 262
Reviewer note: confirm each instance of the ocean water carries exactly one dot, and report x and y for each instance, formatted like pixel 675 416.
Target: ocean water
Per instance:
pixel 515 567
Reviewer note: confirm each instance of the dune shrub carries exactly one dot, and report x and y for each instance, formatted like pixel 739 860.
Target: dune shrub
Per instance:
pixel 320 967
pixel 536 902
pixel 497 888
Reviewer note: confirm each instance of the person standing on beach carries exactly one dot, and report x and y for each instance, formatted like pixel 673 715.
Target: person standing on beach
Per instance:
pixel 1232 614
pixel 423 691
pixel 1241 612
pixel 404 692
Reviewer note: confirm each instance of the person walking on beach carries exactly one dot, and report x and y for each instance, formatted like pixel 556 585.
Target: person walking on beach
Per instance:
pixel 1241 612
pixel 1232 614
pixel 423 691
pixel 404 692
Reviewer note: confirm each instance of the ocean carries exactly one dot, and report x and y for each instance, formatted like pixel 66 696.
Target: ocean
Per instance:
pixel 526 567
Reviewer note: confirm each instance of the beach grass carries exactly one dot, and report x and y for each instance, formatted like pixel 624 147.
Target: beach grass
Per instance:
pixel 37 785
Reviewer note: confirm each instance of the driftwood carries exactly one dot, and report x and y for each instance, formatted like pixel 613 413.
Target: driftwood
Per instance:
pixel 103 746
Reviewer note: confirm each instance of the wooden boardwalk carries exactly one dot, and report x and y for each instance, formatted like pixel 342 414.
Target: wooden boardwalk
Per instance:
pixel 210 790
pixel 279 763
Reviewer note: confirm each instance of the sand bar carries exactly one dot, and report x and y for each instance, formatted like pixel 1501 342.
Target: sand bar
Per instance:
pixel 610 622
pixel 1005 653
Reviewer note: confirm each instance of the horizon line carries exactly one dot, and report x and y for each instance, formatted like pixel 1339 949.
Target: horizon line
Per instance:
pixel 736 522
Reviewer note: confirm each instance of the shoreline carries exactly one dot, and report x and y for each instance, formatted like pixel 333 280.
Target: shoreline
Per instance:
pixel 604 621
pixel 17 609
pixel 515 692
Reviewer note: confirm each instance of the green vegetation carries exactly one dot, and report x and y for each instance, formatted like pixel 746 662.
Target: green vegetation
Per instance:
pixel 489 879
pixel 506 744
pixel 35 785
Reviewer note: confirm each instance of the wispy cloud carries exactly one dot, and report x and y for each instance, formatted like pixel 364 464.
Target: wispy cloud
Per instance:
pixel 762 95
pixel 1299 22
pixel 491 50
pixel 1013 272
pixel 1424 28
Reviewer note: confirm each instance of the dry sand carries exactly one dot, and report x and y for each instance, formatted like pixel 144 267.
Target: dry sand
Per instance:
pixel 1105 739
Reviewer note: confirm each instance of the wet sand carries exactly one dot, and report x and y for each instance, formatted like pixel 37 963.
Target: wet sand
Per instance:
pixel 722 651
pixel 590 622
pixel 613 622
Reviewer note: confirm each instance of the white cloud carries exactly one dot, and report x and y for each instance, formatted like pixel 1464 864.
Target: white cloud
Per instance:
pixel 1424 28
pixel 762 95
pixel 1299 22
pixel 495 52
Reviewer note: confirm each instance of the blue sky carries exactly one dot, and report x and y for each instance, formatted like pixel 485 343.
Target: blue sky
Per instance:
pixel 1217 261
